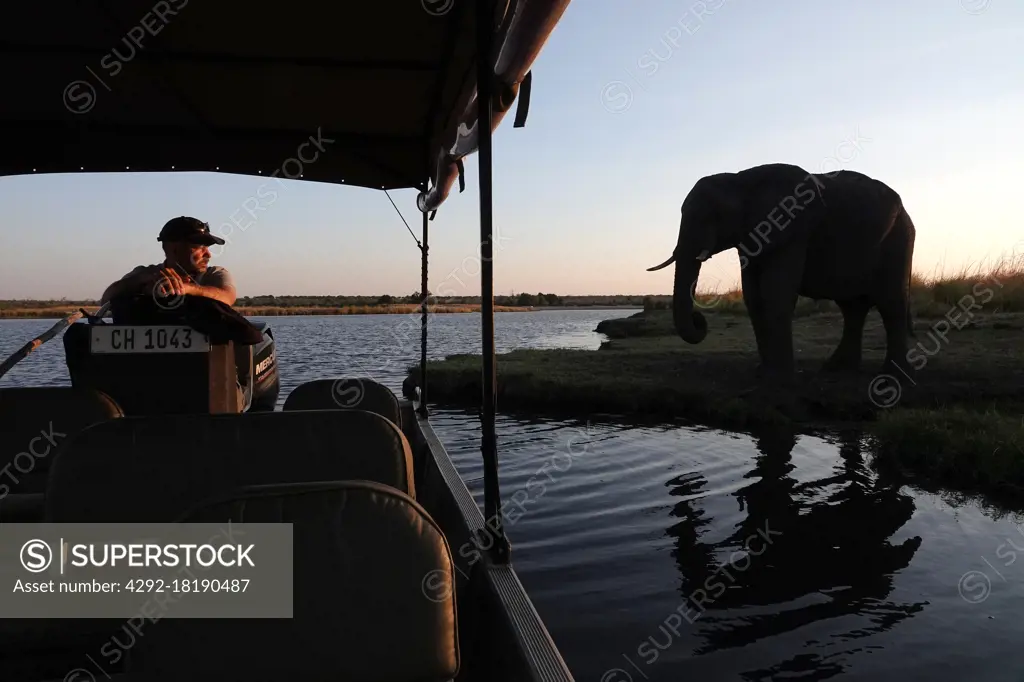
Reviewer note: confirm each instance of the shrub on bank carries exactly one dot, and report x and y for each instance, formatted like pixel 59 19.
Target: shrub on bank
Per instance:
pixel 957 446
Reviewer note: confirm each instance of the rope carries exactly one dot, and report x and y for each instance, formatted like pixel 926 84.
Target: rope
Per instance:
pixel 404 221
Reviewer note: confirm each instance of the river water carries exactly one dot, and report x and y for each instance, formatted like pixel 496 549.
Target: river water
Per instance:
pixel 682 553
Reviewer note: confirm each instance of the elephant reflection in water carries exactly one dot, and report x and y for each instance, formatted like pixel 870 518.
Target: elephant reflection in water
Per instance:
pixel 826 537
pixel 838 236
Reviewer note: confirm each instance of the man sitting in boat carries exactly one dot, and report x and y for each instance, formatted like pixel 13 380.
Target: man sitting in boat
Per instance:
pixel 185 270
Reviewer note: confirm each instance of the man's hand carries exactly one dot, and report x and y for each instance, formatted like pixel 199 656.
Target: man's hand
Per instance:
pixel 170 284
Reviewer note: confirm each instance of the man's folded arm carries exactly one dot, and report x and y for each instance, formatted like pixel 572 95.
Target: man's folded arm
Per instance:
pixel 218 285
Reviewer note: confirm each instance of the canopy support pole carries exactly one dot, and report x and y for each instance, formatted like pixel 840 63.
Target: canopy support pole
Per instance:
pixel 424 247
pixel 485 86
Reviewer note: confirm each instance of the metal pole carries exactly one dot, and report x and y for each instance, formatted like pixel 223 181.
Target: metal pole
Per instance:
pixel 424 247
pixel 485 77
pixel 57 328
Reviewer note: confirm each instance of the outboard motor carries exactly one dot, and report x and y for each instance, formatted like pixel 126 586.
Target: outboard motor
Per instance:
pixel 198 356
pixel 265 385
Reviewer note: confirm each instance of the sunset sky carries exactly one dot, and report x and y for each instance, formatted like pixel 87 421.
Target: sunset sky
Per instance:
pixel 632 102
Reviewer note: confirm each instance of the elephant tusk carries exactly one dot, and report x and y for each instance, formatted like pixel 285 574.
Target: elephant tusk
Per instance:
pixel 663 265
pixel 703 256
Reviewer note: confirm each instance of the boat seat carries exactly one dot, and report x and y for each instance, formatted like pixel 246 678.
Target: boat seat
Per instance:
pixel 21 508
pixel 35 422
pixel 346 394
pixel 361 551
pixel 155 467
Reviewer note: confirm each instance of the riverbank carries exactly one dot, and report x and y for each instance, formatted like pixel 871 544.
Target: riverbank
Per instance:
pixel 274 306
pixel 957 420
pixel 645 370
pixel 58 312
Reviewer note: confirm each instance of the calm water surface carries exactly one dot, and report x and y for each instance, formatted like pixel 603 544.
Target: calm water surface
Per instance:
pixel 679 553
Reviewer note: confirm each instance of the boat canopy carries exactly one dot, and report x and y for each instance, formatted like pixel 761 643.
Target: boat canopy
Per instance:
pixel 378 94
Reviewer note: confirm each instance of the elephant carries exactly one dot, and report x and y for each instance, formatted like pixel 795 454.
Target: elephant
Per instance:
pixel 841 236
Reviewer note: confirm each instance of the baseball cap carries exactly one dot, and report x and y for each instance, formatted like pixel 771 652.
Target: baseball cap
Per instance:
pixel 190 230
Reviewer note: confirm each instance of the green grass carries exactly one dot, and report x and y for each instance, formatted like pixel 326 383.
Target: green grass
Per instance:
pixel 714 382
pixel 956 446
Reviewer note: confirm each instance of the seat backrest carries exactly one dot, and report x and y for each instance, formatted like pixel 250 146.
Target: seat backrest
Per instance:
pixel 373 595
pixel 347 393
pixel 153 468
pixel 35 422
pixel 21 508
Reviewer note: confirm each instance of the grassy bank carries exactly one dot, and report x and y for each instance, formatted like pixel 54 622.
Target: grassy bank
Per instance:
pixel 966 447
pixel 359 305
pixel 714 382
pixel 56 312
pixel 957 420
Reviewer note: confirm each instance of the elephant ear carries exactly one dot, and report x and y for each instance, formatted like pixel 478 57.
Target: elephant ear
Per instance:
pixel 726 199
pixel 725 195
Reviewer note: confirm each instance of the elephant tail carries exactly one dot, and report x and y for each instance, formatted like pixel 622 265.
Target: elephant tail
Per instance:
pixel 911 234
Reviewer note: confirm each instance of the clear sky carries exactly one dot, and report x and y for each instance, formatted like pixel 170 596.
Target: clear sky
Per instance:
pixel 633 101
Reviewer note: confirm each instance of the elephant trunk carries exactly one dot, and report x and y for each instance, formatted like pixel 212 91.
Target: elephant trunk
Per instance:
pixel 689 323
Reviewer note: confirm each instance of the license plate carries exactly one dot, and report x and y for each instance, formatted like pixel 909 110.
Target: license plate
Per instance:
pixel 148 339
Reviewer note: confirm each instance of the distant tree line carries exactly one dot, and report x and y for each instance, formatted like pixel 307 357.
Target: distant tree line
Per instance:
pixel 43 303
pixel 657 302
pixel 524 299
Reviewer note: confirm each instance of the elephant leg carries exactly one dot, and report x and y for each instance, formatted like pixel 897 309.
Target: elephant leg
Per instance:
pixel 895 318
pixel 779 278
pixel 752 300
pixel 847 355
